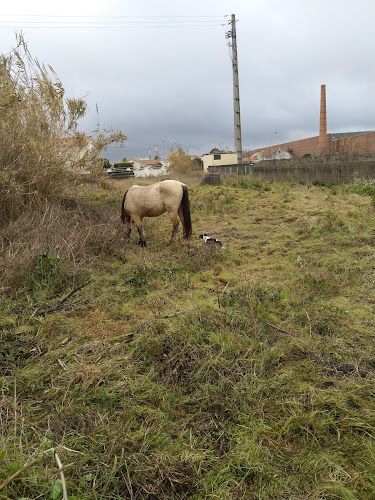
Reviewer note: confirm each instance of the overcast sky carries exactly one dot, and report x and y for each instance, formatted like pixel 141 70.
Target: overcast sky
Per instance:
pixel 161 71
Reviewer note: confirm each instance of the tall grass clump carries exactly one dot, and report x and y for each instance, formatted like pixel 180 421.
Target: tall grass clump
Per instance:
pixel 363 187
pixel 42 153
pixel 43 158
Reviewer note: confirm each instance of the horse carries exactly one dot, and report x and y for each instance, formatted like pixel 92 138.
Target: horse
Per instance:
pixel 152 201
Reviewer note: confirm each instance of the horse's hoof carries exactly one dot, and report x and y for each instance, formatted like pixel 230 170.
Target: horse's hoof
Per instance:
pixel 142 243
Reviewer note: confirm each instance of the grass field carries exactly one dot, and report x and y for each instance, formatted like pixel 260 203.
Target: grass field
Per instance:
pixel 192 371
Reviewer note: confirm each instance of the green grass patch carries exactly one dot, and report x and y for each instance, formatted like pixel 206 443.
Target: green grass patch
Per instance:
pixel 196 371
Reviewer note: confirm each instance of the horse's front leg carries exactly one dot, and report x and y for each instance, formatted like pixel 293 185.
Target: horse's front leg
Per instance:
pixel 128 227
pixel 138 222
pixel 175 222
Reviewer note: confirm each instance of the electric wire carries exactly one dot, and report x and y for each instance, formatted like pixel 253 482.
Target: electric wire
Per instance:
pixel 111 17
pixel 111 27
pixel 117 22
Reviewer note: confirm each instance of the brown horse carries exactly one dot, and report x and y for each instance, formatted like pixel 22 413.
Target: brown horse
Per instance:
pixel 151 201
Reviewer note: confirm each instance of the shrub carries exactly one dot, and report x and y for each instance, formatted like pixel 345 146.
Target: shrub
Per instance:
pixel 179 161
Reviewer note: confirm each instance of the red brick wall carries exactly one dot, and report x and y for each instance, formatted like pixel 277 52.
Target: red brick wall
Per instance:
pixel 310 145
pixel 359 144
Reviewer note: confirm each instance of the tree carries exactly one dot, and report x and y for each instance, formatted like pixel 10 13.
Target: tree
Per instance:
pixel 179 161
pixel 106 163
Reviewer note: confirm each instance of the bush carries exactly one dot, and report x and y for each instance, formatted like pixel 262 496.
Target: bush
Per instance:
pixel 179 161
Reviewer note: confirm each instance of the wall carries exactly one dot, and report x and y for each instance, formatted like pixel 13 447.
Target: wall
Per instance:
pixel 336 172
pixel 304 146
pixel 357 144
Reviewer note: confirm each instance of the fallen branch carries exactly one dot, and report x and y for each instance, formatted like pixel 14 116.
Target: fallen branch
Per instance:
pixel 60 304
pixel 226 286
pixel 178 312
pixel 73 292
pixel 277 328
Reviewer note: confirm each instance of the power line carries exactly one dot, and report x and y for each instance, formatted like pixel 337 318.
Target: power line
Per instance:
pixel 113 27
pixel 110 17
pixel 95 22
pixel 112 22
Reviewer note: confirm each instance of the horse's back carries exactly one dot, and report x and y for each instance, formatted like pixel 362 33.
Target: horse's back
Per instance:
pixel 154 200
pixel 171 193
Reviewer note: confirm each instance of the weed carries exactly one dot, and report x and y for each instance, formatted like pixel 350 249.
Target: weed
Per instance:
pixel 246 183
pixel 332 221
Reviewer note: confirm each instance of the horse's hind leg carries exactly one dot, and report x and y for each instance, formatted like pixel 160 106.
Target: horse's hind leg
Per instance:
pixel 175 222
pixel 138 222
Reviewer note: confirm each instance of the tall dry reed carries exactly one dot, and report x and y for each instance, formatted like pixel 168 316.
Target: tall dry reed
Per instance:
pixel 42 154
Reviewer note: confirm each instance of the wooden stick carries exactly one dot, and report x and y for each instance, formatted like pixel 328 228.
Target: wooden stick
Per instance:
pixel 178 312
pixel 308 317
pixel 226 286
pixel 74 291
pixel 58 306
pixel 63 482
pixel 277 328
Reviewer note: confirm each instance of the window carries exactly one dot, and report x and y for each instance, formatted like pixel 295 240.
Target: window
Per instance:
pixel 217 157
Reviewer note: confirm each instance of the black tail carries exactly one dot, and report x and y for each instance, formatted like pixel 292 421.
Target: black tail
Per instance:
pixel 123 207
pixel 185 205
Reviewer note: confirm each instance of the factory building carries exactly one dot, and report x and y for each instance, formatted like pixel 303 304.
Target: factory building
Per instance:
pixel 325 143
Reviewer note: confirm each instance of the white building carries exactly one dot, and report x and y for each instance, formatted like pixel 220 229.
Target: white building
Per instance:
pixel 279 154
pixel 149 168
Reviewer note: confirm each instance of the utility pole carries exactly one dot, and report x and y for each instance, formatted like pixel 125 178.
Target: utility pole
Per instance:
pixel 236 90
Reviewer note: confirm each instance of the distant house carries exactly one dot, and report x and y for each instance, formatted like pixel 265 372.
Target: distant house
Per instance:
pixel 255 157
pixel 279 154
pixel 148 168
pixel 148 163
pixel 217 157
pixel 267 154
pixel 74 148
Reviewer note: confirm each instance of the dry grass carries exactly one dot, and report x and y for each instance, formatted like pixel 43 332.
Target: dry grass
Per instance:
pixel 193 371
pixel 70 231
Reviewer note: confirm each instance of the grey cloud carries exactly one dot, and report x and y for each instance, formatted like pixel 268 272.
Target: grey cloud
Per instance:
pixel 170 85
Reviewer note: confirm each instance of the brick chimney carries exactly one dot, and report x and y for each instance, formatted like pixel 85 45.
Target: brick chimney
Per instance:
pixel 323 137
